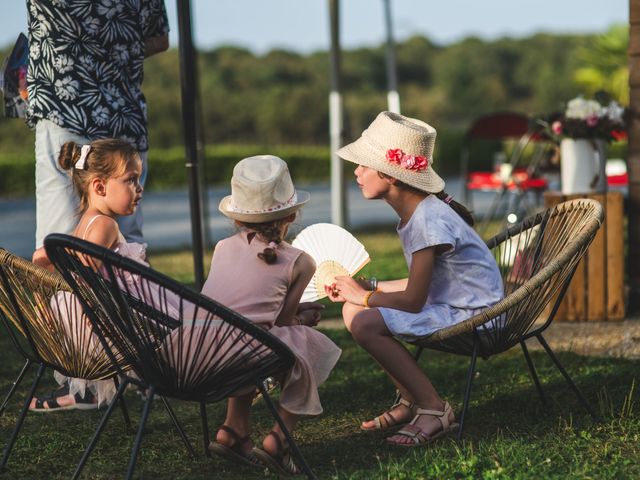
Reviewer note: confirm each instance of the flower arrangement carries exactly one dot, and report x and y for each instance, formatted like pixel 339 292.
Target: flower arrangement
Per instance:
pixel 397 156
pixel 590 119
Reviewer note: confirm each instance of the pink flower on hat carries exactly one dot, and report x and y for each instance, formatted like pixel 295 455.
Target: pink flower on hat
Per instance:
pixel 394 155
pixel 404 160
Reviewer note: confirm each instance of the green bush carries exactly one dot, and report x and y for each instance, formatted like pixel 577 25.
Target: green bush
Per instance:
pixel 167 169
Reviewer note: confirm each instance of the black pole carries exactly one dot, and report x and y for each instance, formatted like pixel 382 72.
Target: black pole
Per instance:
pixel 189 88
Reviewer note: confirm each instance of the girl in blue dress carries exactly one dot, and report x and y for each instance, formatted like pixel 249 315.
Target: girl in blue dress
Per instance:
pixel 452 274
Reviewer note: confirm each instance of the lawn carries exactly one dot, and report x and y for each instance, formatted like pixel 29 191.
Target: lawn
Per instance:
pixel 509 433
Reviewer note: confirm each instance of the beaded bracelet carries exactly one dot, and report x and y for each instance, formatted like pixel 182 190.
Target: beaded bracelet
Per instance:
pixel 367 296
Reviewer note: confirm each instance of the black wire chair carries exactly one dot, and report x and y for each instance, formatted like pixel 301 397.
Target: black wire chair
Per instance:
pixel 214 354
pixel 46 326
pixel 537 259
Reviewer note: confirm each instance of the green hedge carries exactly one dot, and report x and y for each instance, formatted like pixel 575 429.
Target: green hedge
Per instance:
pixel 307 163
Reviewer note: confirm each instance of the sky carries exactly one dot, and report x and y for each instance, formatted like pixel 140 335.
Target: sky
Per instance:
pixel 303 25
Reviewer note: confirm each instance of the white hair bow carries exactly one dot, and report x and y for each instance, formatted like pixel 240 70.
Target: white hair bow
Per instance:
pixel 84 152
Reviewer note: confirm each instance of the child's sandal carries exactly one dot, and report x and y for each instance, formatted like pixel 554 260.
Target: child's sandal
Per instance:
pixel 234 451
pixel 281 462
pixel 420 438
pixel 386 420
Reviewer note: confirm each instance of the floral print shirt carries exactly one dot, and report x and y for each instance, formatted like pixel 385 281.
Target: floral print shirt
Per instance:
pixel 86 65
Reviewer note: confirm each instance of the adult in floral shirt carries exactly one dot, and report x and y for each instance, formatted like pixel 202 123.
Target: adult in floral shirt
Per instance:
pixel 84 83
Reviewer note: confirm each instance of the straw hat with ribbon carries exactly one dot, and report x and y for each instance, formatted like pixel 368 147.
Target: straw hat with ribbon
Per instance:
pixel 261 191
pixel 400 147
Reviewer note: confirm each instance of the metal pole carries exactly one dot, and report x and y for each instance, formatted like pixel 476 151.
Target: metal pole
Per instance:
pixel 338 197
pixel 189 88
pixel 393 98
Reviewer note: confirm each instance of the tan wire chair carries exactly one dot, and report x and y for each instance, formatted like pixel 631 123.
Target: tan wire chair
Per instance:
pixel 44 322
pixel 537 259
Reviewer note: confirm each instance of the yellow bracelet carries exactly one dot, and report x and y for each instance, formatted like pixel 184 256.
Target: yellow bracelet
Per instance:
pixel 367 296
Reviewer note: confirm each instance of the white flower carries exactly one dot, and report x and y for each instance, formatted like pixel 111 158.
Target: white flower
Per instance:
pixel 34 50
pixel 581 109
pixel 55 117
pixel 67 88
pixel 91 25
pixel 63 63
pixel 614 111
pixel 120 54
pixel 100 115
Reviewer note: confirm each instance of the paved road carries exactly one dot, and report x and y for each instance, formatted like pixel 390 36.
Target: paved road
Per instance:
pixel 167 220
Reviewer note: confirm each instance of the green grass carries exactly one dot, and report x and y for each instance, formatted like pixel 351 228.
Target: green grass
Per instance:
pixel 509 433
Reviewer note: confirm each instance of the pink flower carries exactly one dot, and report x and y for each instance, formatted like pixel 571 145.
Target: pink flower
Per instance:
pixel 394 155
pixel 592 120
pixel 556 127
pixel 404 160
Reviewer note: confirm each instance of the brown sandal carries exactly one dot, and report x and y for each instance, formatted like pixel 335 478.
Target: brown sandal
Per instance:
pixel 234 451
pixel 385 421
pixel 419 437
pixel 281 463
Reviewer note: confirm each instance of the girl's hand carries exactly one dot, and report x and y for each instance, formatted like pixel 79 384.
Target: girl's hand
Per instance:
pixel 308 313
pixel 350 290
pixel 333 293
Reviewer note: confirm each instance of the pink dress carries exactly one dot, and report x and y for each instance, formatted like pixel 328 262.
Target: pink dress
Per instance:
pixel 245 283
pixel 69 311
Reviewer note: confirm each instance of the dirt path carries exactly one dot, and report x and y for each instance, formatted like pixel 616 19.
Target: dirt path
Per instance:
pixel 601 339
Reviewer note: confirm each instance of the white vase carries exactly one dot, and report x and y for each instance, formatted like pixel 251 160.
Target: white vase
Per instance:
pixel 582 166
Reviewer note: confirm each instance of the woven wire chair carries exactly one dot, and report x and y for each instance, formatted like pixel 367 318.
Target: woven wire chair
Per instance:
pixel 537 259
pixel 45 324
pixel 215 353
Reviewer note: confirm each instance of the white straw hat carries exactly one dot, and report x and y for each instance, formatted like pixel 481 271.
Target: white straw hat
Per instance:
pixel 261 191
pixel 400 147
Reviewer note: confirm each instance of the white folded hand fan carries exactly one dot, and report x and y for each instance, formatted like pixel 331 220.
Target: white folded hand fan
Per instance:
pixel 335 251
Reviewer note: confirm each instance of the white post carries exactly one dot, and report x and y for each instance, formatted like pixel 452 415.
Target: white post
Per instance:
pixel 338 197
pixel 393 98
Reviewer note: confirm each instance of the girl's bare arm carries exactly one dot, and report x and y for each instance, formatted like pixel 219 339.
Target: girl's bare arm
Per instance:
pixel 303 270
pixel 408 294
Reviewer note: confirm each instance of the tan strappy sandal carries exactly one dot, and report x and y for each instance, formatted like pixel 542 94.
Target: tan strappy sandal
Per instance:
pixel 420 438
pixel 386 420
pixel 282 462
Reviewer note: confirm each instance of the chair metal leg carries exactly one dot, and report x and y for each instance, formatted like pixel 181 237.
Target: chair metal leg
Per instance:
pixel 206 439
pixel 532 369
pixel 292 444
pixel 175 421
pixel 143 421
pixel 16 382
pixel 123 405
pixel 467 391
pixel 23 413
pixel 101 425
pixel 566 376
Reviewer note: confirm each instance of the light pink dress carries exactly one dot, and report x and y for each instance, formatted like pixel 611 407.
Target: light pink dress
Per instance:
pixel 69 311
pixel 245 283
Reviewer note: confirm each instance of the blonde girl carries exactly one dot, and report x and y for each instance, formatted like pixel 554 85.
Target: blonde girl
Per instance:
pixel 258 274
pixel 106 177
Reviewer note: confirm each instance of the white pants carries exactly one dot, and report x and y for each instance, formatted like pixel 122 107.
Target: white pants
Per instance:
pixel 56 202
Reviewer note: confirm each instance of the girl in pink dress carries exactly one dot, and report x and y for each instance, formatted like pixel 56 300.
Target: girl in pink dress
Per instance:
pixel 106 177
pixel 256 273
